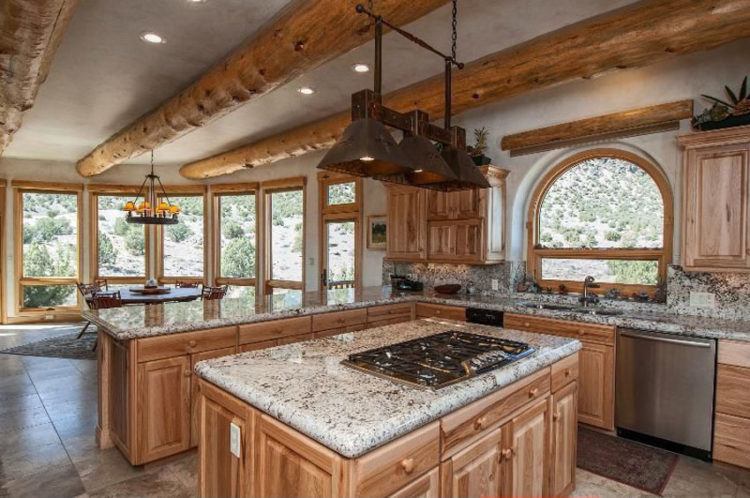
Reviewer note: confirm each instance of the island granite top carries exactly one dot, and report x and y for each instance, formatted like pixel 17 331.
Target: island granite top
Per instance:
pixel 130 322
pixel 305 386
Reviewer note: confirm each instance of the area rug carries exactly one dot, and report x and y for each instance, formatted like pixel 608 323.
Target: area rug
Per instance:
pixel 62 346
pixel 643 467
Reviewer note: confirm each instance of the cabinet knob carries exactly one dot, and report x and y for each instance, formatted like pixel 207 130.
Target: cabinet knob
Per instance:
pixel 480 423
pixel 526 324
pixel 580 332
pixel 556 416
pixel 567 372
pixel 408 465
pixel 533 392
pixel 192 344
pixel 507 453
pixel 187 373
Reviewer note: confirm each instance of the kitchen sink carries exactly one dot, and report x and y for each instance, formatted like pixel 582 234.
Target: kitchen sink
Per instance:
pixel 598 311
pixel 593 310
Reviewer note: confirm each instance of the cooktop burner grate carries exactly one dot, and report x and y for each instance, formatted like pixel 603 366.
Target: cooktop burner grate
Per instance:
pixel 439 360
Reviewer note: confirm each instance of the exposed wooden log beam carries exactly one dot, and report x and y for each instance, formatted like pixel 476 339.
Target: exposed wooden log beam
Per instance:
pixel 625 123
pixel 642 33
pixel 305 34
pixel 30 32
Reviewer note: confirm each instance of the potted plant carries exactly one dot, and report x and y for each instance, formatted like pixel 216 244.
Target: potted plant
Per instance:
pixel 480 147
pixel 725 114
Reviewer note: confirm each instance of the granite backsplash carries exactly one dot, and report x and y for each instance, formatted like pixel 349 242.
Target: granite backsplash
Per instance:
pixel 731 290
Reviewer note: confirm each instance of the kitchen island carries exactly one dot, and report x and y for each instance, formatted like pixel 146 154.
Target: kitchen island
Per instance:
pixel 294 421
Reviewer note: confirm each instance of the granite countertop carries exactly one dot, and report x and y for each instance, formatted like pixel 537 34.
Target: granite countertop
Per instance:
pixel 352 412
pixel 131 322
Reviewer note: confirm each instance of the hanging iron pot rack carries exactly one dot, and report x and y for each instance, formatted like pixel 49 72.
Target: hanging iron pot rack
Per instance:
pixel 367 149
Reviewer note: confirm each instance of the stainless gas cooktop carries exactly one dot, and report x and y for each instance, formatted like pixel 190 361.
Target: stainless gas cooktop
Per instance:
pixel 439 360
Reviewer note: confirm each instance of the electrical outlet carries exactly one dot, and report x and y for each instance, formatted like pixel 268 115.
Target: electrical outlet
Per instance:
pixel 234 439
pixel 702 299
pixel 495 284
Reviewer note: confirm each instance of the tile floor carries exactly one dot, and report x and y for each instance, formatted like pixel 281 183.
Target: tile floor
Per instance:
pixel 47 449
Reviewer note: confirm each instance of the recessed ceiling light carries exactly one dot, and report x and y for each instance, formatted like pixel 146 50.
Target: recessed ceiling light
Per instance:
pixel 360 68
pixel 305 90
pixel 151 37
pixel 196 1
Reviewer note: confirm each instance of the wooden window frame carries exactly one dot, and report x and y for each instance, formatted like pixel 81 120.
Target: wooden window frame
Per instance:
pixel 216 193
pixel 184 191
pixel 112 190
pixel 663 255
pixel 3 314
pixel 267 189
pixel 23 187
pixel 339 213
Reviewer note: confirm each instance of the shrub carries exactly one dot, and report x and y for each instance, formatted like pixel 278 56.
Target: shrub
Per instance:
pixel 238 259
pixel 107 253
pixel 233 230
pixel 135 243
pixel 180 232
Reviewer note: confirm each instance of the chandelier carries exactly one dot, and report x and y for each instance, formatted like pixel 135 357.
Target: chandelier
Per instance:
pixel 155 208
pixel 428 156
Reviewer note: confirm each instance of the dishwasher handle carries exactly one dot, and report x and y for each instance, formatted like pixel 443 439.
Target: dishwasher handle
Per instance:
pixel 682 342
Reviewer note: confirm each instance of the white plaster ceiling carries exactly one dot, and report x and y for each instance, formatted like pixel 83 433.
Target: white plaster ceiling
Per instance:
pixel 104 76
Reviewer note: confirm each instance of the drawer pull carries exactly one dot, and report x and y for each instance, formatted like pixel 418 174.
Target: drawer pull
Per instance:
pixel 408 465
pixel 192 344
pixel 506 453
pixel 526 324
pixel 556 416
pixel 187 373
pixel 533 392
pixel 480 423
pixel 567 372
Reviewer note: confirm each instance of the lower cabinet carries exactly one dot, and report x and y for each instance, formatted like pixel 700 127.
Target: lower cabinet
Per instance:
pixel 564 434
pixel 427 486
pixel 732 420
pixel 163 407
pixel 596 391
pixel 512 460
pixel 194 394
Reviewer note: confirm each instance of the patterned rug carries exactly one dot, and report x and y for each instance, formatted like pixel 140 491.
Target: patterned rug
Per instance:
pixel 638 465
pixel 62 346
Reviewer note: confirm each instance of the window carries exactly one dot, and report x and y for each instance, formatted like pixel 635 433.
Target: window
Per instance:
pixel 182 246
pixel 340 230
pixel 285 237
pixel 119 249
pixel 605 213
pixel 235 239
pixel 47 240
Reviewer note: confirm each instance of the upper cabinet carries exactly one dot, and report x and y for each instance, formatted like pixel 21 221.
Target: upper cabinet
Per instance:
pixel 715 200
pixel 464 227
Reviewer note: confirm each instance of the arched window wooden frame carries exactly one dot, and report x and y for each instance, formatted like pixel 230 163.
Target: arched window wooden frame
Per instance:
pixel 662 255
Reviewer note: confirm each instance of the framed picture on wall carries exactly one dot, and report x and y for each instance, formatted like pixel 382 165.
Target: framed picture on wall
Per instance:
pixel 377 232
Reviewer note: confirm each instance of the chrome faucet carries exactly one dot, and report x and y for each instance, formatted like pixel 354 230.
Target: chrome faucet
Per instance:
pixel 586 299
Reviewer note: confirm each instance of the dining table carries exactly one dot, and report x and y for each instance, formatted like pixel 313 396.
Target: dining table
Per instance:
pixel 175 294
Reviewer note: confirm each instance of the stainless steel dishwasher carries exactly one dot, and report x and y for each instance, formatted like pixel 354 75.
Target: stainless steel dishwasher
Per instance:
pixel 664 390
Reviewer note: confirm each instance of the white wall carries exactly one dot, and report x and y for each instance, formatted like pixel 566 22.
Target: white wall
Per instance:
pixel 684 77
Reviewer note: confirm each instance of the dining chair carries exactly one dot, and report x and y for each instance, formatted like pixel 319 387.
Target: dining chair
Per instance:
pixel 103 300
pixel 213 293
pixel 87 291
pixel 186 285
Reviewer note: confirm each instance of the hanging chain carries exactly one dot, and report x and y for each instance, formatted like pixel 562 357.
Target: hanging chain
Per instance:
pixel 454 35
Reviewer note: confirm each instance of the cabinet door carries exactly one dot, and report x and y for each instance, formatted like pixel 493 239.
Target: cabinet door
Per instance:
pixel 564 432
pixel 459 241
pixel 194 389
pixel 527 470
pixel 453 205
pixel 596 385
pixel 716 208
pixel 290 466
pixel 406 223
pixel 163 408
pixel 477 470
pixel 427 486
pixel 221 472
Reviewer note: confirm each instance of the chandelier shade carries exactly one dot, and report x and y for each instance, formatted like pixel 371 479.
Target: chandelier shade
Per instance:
pixel 154 207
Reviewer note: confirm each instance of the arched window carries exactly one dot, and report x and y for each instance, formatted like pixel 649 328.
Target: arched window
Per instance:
pixel 605 213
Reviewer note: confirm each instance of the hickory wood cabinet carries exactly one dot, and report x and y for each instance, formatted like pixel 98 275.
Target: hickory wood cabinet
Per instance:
pixel 465 226
pixel 715 200
pixel 596 386
pixel 149 390
pixel 518 441
pixel 732 419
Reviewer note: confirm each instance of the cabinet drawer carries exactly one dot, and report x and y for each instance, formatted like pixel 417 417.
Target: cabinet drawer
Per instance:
pixel 564 372
pixel 338 319
pixel 734 353
pixel 275 329
pixel 391 467
pixel 465 425
pixel 154 348
pixel 732 440
pixel 390 321
pixel 343 330
pixel 602 334
pixel 254 346
pixel 424 310
pixel 295 338
pixel 389 311
pixel 732 396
